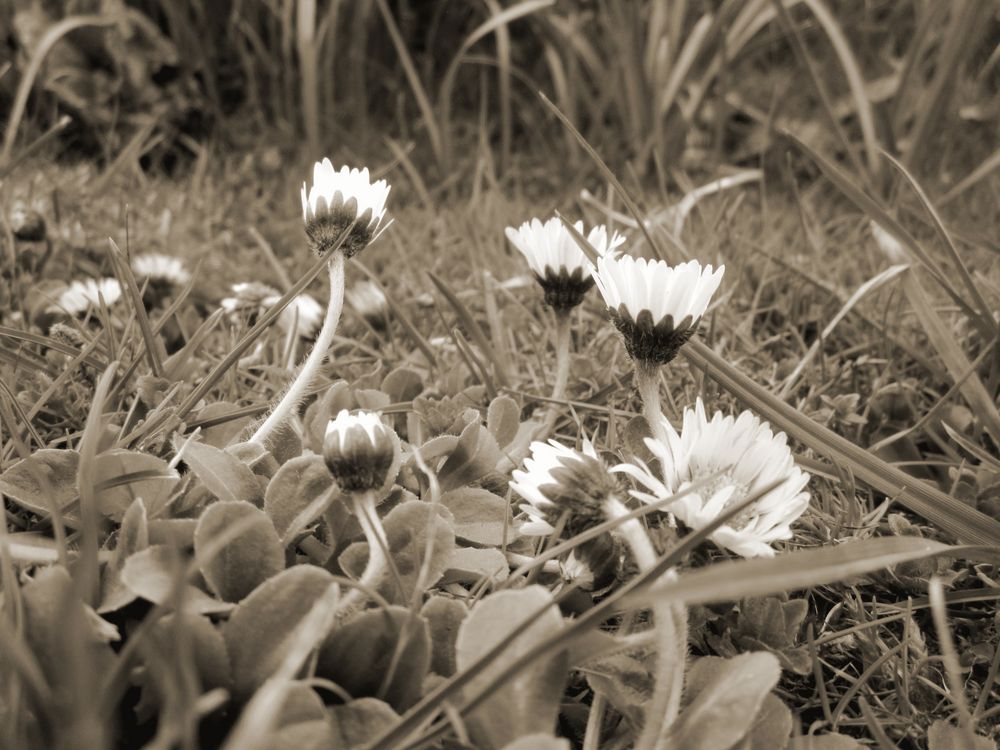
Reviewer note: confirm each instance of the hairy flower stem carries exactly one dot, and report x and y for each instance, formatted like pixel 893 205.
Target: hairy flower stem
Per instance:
pixel 647 381
pixel 563 331
pixel 670 621
pixel 293 396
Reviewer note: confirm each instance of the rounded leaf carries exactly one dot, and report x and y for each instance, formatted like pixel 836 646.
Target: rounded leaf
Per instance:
pixel 250 552
pixel 296 484
pixel 260 627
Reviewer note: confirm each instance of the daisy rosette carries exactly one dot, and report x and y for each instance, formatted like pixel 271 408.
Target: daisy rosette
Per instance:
pixel 161 269
pixel 336 201
pixel 738 457
pixel 655 306
pixel 82 294
pixel 361 451
pixel 557 261
pixel 562 483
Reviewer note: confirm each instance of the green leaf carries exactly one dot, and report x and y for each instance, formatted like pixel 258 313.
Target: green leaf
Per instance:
pixel 316 734
pixel 475 455
pixel 225 431
pixel 121 476
pixel 406 529
pixel 297 483
pixel 245 560
pixel 208 649
pixel 133 536
pixel 224 475
pixel 443 616
pixel 470 565
pixel 503 417
pixel 534 695
pixel 944 736
pixel 58 469
pixel 831 741
pixel 728 694
pixel 538 742
pixel 152 575
pixel 359 721
pixel 625 681
pixel 772 727
pixel 480 516
pixel 381 652
pixel 402 384
pixel 261 627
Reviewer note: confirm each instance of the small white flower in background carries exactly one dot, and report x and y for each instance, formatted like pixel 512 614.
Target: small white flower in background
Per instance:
pixel 368 301
pixel 303 313
pixel 336 200
pixel 746 456
pixel 248 296
pixel 888 244
pixel 361 451
pixel 83 294
pixel 158 267
pixel 557 261
pixel 656 307
pixel 557 481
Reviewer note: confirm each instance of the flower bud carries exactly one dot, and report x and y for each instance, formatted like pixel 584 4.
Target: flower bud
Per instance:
pixel 361 452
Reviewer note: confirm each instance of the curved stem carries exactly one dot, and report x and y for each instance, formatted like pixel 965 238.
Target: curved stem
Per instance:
pixel 670 621
pixel 378 553
pixel 296 391
pixel 563 331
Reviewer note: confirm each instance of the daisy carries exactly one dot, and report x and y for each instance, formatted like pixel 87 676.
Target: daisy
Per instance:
pixel 303 314
pixel 248 296
pixel 744 456
pixel 337 200
pixel 80 295
pixel 158 267
pixel 656 307
pixel 557 480
pixel 368 301
pixel 556 259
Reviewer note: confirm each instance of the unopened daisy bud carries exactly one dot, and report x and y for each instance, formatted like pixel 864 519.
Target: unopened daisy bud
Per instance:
pixel 360 451
pixel 338 200
pixel 656 307
pixel 557 261
pixel 560 482
pixel 888 244
pixel 369 302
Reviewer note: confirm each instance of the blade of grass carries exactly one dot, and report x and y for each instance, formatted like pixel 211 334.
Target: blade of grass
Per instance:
pixel 986 321
pixel 126 278
pixel 472 327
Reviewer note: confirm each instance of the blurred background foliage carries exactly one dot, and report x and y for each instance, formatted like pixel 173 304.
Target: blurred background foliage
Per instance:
pixel 439 86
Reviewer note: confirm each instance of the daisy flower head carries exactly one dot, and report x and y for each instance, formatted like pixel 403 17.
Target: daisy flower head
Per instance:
pixel 248 296
pixel 656 307
pixel 556 481
pixel 738 457
pixel 82 294
pixel 557 261
pixel 368 301
pixel 361 451
pixel 161 269
pixel 339 199
pixel 303 314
